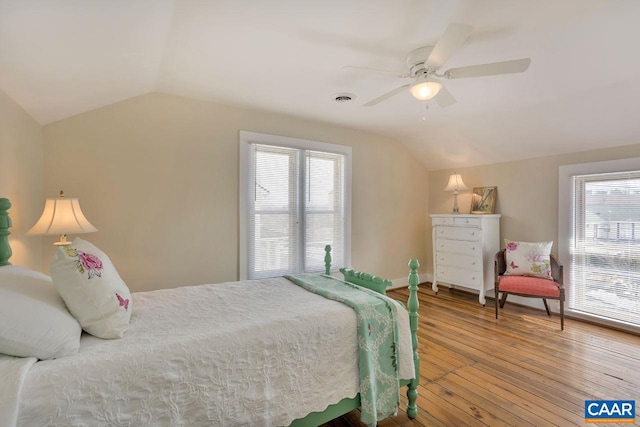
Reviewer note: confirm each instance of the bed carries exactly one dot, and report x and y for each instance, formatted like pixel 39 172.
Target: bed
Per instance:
pixel 260 352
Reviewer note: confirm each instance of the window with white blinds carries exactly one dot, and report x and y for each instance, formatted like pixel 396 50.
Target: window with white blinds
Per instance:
pixel 295 201
pixel 604 270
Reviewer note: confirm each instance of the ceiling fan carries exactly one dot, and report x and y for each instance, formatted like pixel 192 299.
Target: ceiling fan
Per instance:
pixel 424 63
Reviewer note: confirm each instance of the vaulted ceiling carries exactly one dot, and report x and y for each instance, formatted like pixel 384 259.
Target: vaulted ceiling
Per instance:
pixel 59 58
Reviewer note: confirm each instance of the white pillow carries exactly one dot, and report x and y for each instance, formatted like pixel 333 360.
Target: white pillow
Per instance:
pixel 33 318
pixel 528 258
pixel 92 289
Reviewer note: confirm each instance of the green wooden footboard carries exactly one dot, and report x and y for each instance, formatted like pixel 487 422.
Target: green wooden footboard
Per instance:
pixel 366 280
pixel 379 285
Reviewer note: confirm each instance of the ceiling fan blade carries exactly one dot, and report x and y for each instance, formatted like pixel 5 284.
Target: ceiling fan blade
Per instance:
pixel 386 95
pixel 444 98
pixel 401 74
pixel 452 39
pixel 506 67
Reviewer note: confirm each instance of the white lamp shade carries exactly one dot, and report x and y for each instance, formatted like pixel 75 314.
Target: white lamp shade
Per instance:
pixel 425 89
pixel 455 183
pixel 62 216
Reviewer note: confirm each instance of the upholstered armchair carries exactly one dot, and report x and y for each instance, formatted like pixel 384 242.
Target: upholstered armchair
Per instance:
pixel 526 286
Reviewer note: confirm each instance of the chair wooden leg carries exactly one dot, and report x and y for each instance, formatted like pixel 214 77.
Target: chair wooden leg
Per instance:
pixel 546 306
pixel 503 300
pixel 496 300
pixel 562 315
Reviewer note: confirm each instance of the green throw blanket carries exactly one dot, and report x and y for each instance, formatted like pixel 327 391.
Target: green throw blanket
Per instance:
pixel 377 342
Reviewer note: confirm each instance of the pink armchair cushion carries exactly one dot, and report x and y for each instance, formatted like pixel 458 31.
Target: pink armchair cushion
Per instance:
pixel 533 286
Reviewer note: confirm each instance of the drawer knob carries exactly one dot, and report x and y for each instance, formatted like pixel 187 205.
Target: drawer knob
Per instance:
pixel 473 233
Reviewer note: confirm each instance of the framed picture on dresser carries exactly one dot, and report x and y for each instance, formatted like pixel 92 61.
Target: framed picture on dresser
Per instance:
pixel 483 200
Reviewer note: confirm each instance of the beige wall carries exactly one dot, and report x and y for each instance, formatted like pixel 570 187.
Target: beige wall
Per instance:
pixel 21 166
pixel 158 176
pixel 527 194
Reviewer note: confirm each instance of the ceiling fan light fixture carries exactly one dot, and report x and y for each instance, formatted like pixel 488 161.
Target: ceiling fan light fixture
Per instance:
pixel 425 89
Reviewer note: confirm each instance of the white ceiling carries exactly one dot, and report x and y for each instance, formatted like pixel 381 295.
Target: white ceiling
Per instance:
pixel 59 58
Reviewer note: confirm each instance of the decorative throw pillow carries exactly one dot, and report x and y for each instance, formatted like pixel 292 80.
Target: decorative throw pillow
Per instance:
pixel 33 318
pixel 528 259
pixel 92 289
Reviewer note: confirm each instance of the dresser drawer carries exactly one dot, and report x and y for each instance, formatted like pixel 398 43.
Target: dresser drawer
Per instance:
pixel 467 221
pixel 469 278
pixel 468 262
pixel 463 247
pixel 458 233
pixel 442 221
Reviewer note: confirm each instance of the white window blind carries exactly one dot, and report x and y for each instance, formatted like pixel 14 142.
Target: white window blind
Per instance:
pixel 297 203
pixel 324 212
pixel 605 251
pixel 274 212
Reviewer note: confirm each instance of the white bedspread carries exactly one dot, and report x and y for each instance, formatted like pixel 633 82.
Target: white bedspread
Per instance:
pixel 254 353
pixel 13 370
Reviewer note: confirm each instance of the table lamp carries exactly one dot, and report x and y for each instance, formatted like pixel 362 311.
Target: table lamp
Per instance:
pixel 455 184
pixel 62 216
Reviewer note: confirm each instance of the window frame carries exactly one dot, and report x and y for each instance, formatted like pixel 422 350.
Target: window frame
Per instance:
pixel 246 138
pixel 566 224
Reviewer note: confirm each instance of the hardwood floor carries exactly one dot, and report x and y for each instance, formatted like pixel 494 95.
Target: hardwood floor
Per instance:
pixel 519 370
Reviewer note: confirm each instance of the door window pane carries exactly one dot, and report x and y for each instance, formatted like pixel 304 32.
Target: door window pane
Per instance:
pixel 605 258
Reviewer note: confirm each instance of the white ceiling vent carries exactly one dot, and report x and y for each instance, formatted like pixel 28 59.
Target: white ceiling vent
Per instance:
pixel 341 98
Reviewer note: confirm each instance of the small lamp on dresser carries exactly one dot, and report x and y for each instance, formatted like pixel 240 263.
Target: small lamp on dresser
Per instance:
pixel 62 216
pixel 455 184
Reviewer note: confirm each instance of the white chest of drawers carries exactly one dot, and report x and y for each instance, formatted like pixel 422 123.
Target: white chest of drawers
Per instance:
pixel 464 247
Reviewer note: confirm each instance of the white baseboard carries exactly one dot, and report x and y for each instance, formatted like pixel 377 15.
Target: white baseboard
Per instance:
pixel 404 282
pixel 554 306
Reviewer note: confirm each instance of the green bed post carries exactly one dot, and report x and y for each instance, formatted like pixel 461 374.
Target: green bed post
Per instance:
pixel 327 260
pixel 5 223
pixel 412 392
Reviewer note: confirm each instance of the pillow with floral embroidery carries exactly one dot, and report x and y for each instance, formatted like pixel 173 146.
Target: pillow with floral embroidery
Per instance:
pixel 528 259
pixel 92 289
